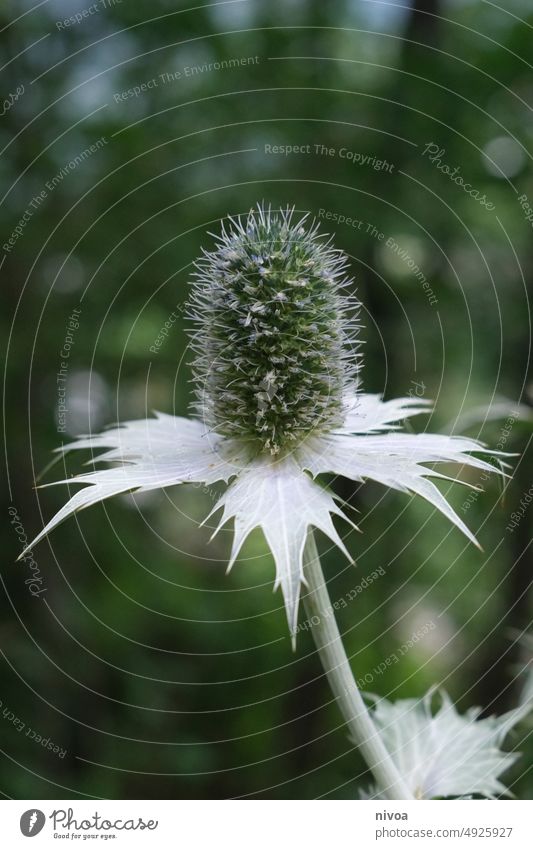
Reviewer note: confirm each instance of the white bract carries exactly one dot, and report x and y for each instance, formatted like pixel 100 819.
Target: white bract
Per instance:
pixel 278 403
pixel 442 753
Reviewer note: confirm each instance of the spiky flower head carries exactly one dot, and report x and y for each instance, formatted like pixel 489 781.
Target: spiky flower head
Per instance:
pixel 275 331
pixel 275 362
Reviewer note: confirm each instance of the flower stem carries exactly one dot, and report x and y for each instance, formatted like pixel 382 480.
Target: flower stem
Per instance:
pixel 335 662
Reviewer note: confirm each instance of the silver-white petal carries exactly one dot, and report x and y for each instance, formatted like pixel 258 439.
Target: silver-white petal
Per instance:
pixel 396 460
pixel 153 453
pixel 367 413
pixel 282 500
pixel 443 753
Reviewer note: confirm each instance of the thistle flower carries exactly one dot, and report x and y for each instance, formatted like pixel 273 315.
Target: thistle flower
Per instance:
pixel 441 753
pixel 278 402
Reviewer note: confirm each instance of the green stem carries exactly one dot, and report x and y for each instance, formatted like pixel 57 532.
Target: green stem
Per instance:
pixel 335 662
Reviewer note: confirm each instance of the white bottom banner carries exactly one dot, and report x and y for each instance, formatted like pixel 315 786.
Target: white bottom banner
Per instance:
pixel 268 824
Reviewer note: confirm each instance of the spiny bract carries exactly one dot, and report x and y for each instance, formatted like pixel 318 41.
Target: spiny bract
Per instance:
pixel 442 753
pixel 275 327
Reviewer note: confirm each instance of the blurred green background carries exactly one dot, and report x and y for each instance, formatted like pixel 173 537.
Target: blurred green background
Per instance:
pixel 156 675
